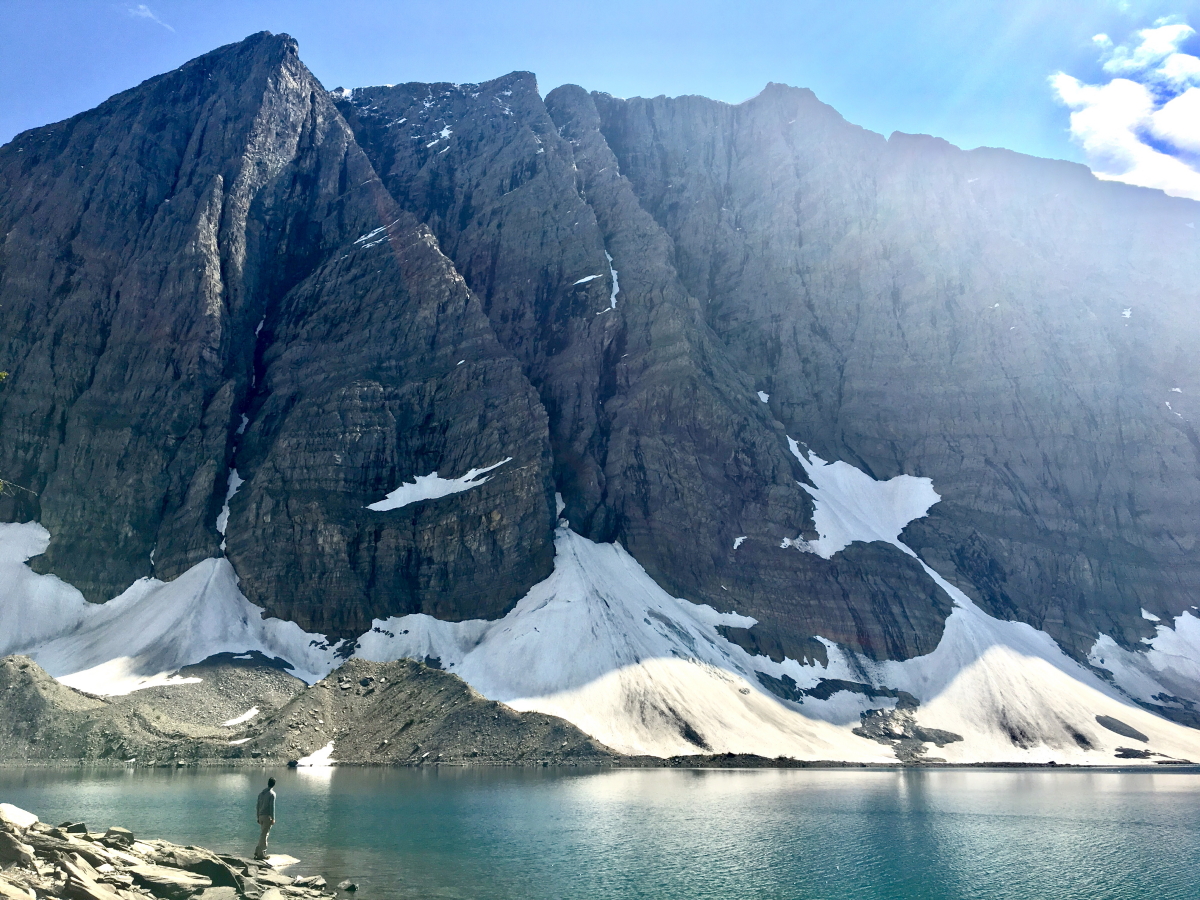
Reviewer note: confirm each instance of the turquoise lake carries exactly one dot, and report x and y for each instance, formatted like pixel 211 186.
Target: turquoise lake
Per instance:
pixel 808 834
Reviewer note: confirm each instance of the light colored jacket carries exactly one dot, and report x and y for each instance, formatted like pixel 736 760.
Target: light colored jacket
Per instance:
pixel 266 804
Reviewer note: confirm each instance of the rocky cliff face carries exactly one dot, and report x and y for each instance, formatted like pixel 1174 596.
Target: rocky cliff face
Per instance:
pixel 1008 326
pixel 205 282
pixel 239 310
pixel 660 442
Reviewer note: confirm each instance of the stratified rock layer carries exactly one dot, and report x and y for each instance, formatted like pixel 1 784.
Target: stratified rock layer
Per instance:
pixel 206 275
pixel 659 441
pixel 1008 326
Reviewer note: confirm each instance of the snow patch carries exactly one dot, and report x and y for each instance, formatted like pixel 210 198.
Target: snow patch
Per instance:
pixel 738 541
pixel 244 717
pixel 600 644
pixel 585 279
pixel 612 298
pixel 318 758
pixel 431 487
pixel 1169 667
pixel 849 505
pixel 1007 688
pixel 239 741
pixel 1127 312
pixel 234 482
pixel 145 635
pixel 378 235
pixel 764 396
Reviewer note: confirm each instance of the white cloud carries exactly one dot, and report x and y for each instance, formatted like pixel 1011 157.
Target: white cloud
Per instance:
pixel 1142 128
pixel 142 11
pixel 1178 121
pixel 1155 54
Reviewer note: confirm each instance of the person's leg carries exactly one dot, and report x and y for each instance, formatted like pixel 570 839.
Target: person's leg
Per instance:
pixel 260 851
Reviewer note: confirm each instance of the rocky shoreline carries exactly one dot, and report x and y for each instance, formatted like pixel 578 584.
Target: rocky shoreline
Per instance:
pixel 68 862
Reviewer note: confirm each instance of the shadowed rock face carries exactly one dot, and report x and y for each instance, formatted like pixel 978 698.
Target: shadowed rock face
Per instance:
pixel 659 442
pixel 913 308
pixel 228 267
pixel 190 289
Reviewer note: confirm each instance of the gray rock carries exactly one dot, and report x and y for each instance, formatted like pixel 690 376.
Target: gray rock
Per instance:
pixel 203 863
pixel 1116 726
pixel 168 883
pixel 118 836
pixel 15 817
pixel 274 879
pixel 10 890
pixel 15 851
pixel 898 728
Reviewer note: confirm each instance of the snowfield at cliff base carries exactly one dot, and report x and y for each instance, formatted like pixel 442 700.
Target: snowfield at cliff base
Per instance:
pixel 601 645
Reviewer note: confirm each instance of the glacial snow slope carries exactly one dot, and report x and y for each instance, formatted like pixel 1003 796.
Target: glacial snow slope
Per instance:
pixel 145 635
pixel 599 644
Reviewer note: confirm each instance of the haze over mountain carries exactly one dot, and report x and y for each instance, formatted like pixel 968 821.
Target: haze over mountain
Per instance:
pixel 405 358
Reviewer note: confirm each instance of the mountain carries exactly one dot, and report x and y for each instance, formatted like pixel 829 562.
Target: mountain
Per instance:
pixel 383 372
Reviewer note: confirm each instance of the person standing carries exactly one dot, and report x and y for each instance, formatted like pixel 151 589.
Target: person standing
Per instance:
pixel 265 810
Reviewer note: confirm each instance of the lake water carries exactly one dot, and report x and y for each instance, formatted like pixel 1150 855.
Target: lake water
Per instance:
pixel 735 835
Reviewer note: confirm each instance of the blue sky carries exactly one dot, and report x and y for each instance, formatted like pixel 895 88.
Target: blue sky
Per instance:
pixel 976 72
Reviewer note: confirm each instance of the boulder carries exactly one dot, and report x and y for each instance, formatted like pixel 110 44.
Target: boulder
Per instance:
pixel 122 837
pixel 13 850
pixel 169 884
pixel 48 845
pixel 75 889
pixel 201 862
pixel 11 890
pixel 15 816
pixel 275 879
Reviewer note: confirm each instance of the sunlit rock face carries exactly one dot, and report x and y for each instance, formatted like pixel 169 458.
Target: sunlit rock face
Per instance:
pixel 1008 326
pixel 241 312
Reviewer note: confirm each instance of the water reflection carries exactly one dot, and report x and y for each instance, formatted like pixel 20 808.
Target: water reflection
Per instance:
pixel 801 835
